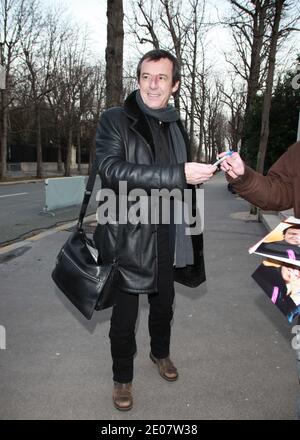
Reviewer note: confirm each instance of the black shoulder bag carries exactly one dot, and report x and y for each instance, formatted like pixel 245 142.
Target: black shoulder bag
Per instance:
pixel 78 273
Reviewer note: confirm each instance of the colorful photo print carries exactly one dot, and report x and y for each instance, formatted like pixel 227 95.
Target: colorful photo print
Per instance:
pixel 282 285
pixel 282 244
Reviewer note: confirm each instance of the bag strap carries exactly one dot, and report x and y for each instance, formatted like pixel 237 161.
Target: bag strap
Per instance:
pixel 86 198
pixel 87 194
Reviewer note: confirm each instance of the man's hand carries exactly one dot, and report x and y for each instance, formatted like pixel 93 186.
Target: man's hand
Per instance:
pixel 233 165
pixel 198 172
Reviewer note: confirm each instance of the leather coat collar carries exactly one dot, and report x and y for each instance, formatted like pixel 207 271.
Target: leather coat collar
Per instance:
pixel 139 120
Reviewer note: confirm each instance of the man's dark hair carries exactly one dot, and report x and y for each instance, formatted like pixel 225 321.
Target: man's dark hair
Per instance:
pixel 157 54
pixel 291 227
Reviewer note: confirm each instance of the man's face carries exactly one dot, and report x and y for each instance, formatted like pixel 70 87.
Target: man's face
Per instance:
pixel 156 82
pixel 292 236
pixel 290 274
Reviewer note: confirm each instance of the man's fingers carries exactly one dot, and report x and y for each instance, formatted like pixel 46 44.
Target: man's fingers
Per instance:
pixel 232 174
pixel 225 166
pixel 198 173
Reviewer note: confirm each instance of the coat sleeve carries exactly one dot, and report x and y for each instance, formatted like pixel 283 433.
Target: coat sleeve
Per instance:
pixel 275 191
pixel 113 167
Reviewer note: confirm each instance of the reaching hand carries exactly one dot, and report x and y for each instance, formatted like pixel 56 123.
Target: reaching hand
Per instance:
pixel 233 165
pixel 198 172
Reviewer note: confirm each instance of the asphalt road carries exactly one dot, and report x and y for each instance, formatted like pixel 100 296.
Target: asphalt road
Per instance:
pixel 21 211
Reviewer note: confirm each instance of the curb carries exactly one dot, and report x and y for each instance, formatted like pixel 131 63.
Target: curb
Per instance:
pixel 33 180
pixel 15 182
pixel 32 239
pixel 271 219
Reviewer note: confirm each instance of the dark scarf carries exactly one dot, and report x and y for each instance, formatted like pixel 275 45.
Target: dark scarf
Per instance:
pixel 184 254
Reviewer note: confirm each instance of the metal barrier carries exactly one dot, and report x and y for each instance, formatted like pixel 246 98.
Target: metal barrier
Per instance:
pixel 62 192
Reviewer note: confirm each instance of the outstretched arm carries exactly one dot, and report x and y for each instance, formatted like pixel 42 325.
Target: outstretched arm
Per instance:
pixel 275 191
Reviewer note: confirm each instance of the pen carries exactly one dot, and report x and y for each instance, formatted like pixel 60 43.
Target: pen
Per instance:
pixel 229 153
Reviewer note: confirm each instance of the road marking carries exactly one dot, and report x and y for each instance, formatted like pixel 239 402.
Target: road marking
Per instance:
pixel 11 195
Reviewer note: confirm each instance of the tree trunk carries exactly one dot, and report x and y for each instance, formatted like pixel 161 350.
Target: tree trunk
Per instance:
pixel 79 168
pixel 176 38
pixel 59 157
pixel 3 139
pixel 4 117
pixel 259 24
pixel 92 154
pixel 114 53
pixel 57 144
pixel 39 153
pixel 202 119
pixel 193 90
pixel 264 133
pixel 69 152
pixel 199 150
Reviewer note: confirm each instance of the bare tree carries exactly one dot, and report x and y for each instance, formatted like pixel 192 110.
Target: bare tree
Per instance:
pixel 252 23
pixel 88 103
pixel 55 101
pixel 14 15
pixel 51 90
pixel 114 53
pixel 72 68
pixel 144 22
pixel 195 68
pixel 178 28
pixel 257 32
pixel 264 134
pixel 235 100
pixel 215 134
pixel 87 90
pixel 200 110
pixel 249 22
pixel 96 108
pixel 41 44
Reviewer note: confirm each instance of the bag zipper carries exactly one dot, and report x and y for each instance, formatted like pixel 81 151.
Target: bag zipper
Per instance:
pixel 80 270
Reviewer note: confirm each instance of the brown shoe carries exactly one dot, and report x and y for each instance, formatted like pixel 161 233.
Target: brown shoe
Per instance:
pixel 122 396
pixel 166 368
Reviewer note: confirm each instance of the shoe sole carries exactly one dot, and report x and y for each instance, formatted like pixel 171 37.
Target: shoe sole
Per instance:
pixel 123 409
pixel 169 379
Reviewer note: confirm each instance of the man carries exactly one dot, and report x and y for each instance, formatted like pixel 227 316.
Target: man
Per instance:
pixel 289 247
pixel 278 190
pixel 291 276
pixel 144 145
pixel 279 283
pixel 291 235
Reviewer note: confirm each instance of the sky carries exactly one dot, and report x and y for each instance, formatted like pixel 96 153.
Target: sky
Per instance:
pixel 92 14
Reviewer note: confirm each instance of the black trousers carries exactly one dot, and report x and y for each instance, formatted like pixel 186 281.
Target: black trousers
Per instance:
pixel 125 312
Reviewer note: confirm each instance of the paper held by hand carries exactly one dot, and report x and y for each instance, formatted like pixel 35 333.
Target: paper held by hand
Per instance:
pixel 282 243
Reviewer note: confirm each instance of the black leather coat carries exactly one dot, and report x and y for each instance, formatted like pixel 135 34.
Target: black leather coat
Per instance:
pixel 125 152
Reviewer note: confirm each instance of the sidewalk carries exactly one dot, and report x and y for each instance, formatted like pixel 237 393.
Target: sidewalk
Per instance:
pixel 27 177
pixel 232 347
